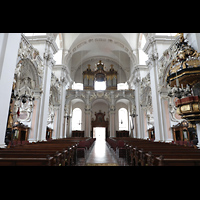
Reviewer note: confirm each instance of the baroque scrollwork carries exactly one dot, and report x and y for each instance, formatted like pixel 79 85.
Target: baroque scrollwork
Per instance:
pixel 27 80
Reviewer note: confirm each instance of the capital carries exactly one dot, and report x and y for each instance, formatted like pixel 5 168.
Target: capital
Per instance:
pixel 112 108
pixel 87 108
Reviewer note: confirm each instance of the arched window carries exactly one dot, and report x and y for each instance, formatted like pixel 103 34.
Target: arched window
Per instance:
pixel 77 119
pixel 123 119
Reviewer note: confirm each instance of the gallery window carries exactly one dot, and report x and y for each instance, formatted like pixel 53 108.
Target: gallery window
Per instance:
pixel 122 86
pixel 77 86
pixel 100 85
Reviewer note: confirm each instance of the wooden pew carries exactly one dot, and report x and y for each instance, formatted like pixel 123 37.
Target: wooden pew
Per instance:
pixel 27 161
pixel 143 154
pixel 65 156
pixel 61 147
pixel 84 147
pixel 59 152
pixel 151 161
pixel 178 161
pixel 138 153
pixel 57 158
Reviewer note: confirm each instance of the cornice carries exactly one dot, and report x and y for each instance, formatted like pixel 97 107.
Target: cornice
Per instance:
pixel 44 39
pixel 149 42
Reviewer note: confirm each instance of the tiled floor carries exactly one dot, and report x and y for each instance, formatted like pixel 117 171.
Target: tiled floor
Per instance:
pixel 100 153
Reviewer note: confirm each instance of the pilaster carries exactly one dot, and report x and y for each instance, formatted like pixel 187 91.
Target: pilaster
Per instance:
pixel 9 45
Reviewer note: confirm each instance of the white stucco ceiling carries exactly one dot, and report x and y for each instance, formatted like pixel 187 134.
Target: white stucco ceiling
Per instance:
pixel 72 39
pixel 83 47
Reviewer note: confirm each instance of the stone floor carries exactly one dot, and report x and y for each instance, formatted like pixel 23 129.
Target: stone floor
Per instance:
pixel 101 155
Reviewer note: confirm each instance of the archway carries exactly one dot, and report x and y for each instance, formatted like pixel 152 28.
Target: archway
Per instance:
pixel 100 126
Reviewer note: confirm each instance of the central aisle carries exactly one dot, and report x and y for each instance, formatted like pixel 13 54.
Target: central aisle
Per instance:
pixel 100 155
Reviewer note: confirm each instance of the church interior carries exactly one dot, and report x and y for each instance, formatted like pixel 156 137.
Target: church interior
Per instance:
pixel 100 99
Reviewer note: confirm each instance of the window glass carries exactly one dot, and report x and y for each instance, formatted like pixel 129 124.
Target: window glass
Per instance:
pixel 77 119
pixel 123 119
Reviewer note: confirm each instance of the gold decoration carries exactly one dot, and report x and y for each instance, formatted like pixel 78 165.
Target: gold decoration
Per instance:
pixel 189 109
pixel 185 66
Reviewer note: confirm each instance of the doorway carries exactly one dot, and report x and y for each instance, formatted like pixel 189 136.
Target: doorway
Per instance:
pixel 99 133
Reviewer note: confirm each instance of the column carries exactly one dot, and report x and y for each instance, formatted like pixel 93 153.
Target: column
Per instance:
pixel 62 106
pixel 48 63
pixel 55 122
pixel 167 133
pixel 68 114
pixel 65 126
pixel 133 125
pixel 44 105
pixel 87 115
pixel 198 134
pixel 144 120
pixel 9 45
pixel 61 73
pixel 152 64
pixel 69 127
pixel 87 122
pixel 156 105
pixel 112 121
pixel 34 120
pixel 112 115
pixel 139 122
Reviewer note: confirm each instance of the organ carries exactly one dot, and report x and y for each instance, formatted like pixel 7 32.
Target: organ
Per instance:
pixel 89 77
